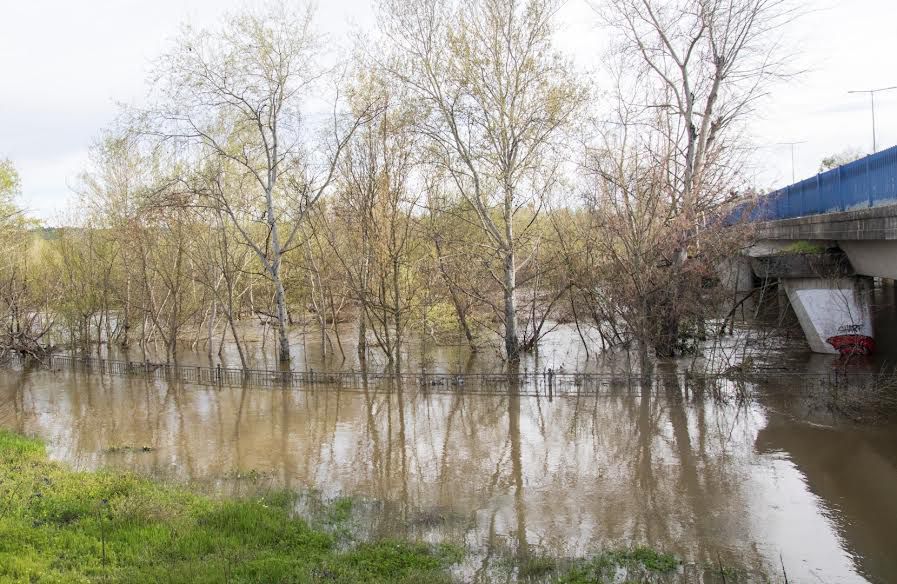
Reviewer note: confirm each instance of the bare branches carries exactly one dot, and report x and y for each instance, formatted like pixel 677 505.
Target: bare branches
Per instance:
pixel 497 99
pixel 235 97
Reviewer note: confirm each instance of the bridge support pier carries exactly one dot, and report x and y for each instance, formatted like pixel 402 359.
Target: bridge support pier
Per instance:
pixel 834 313
pixel 736 275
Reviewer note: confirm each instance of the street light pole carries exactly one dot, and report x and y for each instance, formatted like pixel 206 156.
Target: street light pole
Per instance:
pixel 792 144
pixel 872 93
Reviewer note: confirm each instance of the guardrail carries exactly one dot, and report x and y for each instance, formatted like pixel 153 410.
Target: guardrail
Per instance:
pixel 864 183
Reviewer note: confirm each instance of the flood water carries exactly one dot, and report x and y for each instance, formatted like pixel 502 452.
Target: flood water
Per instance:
pixel 775 480
pixel 752 484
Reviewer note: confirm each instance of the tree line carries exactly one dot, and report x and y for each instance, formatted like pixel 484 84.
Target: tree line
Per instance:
pixel 454 177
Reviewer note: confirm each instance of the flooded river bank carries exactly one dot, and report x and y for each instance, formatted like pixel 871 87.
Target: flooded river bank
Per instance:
pixel 752 484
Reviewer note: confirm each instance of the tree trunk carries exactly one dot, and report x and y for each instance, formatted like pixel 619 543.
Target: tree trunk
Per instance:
pixel 280 300
pixel 126 325
pixel 397 316
pixel 233 330
pixel 362 334
pixel 210 331
pixel 512 345
pixel 460 311
pixel 667 311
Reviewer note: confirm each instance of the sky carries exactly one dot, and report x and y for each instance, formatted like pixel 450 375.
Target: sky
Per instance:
pixel 66 66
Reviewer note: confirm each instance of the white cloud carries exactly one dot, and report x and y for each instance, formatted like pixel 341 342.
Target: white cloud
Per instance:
pixel 49 183
pixel 65 65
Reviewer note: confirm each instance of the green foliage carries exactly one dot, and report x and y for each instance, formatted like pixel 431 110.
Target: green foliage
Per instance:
pixel 804 247
pixel 841 158
pixel 12 219
pixel 57 525
pixel 536 567
pixel 641 564
pixel 9 180
pixel 340 510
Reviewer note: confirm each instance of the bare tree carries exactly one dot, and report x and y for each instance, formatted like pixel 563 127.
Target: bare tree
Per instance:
pixel 377 201
pixel 111 193
pixel 497 97
pixel 700 66
pixel 239 94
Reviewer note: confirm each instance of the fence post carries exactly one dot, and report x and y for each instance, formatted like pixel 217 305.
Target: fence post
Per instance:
pixel 819 200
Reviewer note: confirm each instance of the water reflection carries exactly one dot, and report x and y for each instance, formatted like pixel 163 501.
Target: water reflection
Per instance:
pixel 658 465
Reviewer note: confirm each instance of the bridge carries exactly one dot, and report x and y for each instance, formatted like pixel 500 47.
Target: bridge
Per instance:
pixel 823 239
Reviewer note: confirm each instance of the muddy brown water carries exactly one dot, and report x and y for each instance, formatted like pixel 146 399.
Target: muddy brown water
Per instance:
pixel 752 484
pixel 777 480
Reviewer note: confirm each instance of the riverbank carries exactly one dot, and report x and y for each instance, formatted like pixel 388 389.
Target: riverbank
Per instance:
pixel 58 525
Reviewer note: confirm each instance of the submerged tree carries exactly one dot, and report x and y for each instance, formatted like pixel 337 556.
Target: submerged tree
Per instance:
pixel 496 98
pixel 240 94
pixel 24 301
pixel 692 72
pixel 430 197
pixel 375 208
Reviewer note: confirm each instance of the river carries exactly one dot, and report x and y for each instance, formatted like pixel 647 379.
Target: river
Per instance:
pixel 708 480
pixel 775 480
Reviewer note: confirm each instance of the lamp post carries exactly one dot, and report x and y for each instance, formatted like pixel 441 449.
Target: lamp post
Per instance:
pixel 872 93
pixel 792 144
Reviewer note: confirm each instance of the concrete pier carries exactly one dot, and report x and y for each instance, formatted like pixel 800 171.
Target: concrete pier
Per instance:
pixel 834 313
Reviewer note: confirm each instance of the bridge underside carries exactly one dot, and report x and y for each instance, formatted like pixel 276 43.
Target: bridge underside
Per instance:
pixel 867 236
pixel 872 258
pixel 823 263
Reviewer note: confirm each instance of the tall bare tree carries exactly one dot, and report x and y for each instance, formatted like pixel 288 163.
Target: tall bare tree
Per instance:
pixel 238 93
pixel 377 202
pixel 696 69
pixel 496 97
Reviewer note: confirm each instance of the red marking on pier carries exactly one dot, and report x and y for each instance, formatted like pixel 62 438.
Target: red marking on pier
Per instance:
pixel 852 344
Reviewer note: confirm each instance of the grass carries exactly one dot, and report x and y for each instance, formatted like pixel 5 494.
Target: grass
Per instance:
pixel 804 247
pixel 62 526
pixel 59 525
pixel 640 564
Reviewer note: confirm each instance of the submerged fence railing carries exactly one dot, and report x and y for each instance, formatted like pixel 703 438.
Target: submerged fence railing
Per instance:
pixel 546 380
pixel 525 382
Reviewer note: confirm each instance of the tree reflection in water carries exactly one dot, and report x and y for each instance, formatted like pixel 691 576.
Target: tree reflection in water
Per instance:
pixel 654 464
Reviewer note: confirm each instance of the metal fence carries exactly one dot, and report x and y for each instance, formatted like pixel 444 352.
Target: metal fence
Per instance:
pixel 545 382
pixel 868 182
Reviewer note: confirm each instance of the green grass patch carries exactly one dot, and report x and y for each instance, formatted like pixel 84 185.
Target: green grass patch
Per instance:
pixel 640 564
pixel 536 568
pixel 803 247
pixel 58 525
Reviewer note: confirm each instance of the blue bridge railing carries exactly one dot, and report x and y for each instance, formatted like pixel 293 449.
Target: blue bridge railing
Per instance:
pixel 867 182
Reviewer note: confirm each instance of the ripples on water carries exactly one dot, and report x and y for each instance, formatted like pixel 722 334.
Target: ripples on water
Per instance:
pixel 741 483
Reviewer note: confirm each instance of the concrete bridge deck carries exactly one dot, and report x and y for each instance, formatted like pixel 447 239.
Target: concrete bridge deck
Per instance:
pixel 867 236
pixel 870 224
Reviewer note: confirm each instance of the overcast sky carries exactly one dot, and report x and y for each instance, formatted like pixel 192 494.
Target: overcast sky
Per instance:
pixel 64 66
